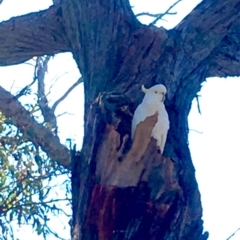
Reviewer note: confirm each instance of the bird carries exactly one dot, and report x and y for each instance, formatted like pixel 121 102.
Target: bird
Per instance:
pixel 152 103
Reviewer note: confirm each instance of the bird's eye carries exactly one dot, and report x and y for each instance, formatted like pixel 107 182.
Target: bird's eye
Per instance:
pixel 156 92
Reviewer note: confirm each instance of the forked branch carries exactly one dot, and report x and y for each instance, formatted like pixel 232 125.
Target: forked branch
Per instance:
pixel 159 16
pixel 48 112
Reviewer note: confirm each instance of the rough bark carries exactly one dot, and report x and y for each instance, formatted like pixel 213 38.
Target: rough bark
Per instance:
pixel 34 34
pixel 114 196
pixel 225 58
pixel 157 198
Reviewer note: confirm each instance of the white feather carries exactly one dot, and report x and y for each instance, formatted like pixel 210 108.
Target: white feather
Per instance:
pixel 153 102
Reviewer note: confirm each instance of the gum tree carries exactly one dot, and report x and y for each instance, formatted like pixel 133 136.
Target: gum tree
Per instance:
pixel 114 196
pixel 28 176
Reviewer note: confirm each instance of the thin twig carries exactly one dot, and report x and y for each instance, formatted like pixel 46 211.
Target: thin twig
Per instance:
pixel 12 85
pixel 159 16
pixel 165 13
pixel 198 104
pixel 24 90
pixel 153 15
pixel 194 130
pixel 233 234
pixel 80 80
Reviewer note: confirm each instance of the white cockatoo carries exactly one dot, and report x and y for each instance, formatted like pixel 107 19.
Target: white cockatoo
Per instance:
pixel 153 102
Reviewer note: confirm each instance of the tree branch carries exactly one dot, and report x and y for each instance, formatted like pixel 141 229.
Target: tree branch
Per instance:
pixel 47 112
pixel 159 16
pixel 33 131
pixel 190 46
pixel 225 58
pixel 80 80
pixel 233 234
pixel 25 90
pixel 205 27
pixel 30 35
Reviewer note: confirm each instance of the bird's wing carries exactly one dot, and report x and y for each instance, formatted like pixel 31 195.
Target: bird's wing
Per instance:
pixel 140 114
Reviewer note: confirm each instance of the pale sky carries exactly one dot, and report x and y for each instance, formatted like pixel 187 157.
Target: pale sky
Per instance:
pixel 213 138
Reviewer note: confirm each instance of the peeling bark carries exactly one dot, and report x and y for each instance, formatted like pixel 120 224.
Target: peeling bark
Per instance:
pixel 155 197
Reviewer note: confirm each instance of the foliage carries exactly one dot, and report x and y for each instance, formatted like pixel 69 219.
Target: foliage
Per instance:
pixel 29 182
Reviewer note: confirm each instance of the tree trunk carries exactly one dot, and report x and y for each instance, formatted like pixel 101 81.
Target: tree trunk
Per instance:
pixel 143 195
pixel 117 197
pixel 124 189
pixel 135 196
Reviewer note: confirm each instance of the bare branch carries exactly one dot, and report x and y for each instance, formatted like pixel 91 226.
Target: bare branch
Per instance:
pixel 24 90
pixel 30 35
pixel 194 44
pixel 33 131
pixel 225 58
pixel 194 130
pixel 198 104
pixel 80 80
pixel 39 74
pixel 205 27
pixel 47 111
pixel 233 234
pixel 159 16
pixel 153 15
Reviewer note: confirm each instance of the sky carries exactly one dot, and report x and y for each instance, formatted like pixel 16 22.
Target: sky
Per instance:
pixel 213 137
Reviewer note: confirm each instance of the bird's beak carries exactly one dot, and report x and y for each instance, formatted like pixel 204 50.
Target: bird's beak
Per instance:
pixel 163 98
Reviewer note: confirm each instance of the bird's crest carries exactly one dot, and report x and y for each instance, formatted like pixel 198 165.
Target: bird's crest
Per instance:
pixel 159 87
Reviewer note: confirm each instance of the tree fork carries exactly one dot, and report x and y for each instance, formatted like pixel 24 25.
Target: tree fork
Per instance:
pixel 165 187
pixel 115 197
pixel 154 197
